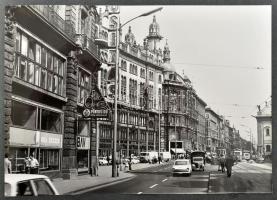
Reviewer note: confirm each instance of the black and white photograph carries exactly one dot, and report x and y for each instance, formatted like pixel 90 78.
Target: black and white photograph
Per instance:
pixel 137 99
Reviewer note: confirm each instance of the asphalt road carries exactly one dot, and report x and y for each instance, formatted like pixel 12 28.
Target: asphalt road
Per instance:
pixel 159 180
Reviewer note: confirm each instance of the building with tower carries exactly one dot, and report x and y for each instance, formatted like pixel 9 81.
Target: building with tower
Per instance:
pixel 264 130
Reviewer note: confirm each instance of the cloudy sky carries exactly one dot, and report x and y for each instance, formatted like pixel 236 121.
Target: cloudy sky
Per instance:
pixel 224 50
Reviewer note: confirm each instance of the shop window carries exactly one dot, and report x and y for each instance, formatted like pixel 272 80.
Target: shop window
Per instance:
pixel 18 159
pixel 24 115
pixel 49 159
pixel 50 121
pixel 83 85
pixel 82 160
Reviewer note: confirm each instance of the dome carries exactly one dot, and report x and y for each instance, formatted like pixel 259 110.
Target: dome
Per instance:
pixel 154 27
pixel 130 37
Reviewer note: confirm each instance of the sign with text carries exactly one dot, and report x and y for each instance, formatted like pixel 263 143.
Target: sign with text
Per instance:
pixel 50 140
pixel 82 142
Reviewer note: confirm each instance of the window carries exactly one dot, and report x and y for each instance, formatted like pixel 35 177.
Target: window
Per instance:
pixel 24 189
pixel 160 79
pixel 268 148
pixel 267 132
pixel 83 85
pixel 38 65
pixel 49 159
pixel 123 87
pixel 83 127
pixel 142 73
pixel 151 75
pixel 42 187
pixel 27 116
pixel 50 121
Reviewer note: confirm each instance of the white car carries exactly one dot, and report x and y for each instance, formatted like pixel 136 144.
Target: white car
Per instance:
pixel 182 166
pixel 102 161
pixel 28 185
pixel 135 160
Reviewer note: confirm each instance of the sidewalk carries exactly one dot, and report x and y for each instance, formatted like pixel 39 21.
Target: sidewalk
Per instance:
pixel 262 165
pixel 104 177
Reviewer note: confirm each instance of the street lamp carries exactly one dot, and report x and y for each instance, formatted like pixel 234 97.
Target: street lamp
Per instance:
pixel 118 29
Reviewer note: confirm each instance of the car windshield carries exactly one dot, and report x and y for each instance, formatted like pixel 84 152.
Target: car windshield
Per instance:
pixel 181 162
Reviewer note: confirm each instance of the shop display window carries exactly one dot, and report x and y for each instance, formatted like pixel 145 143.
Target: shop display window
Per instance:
pixel 27 116
pixel 50 121
pixel 82 160
pixel 49 159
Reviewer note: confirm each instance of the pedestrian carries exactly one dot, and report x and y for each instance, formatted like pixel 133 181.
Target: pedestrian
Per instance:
pixel 229 164
pixel 8 164
pixel 34 165
pixel 222 163
pixel 108 159
pixel 27 161
pixel 159 158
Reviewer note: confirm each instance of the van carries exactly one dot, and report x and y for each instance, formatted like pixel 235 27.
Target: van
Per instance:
pixel 166 156
pixel 148 156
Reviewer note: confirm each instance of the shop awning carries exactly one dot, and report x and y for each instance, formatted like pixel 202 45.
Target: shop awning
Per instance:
pixel 178 150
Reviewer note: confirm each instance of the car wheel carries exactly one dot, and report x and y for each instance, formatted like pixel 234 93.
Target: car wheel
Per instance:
pixel 189 174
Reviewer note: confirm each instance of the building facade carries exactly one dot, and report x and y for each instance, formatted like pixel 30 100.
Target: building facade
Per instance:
pixel 50 59
pixel 264 130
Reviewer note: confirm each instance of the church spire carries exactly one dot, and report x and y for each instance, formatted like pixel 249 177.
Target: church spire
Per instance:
pixel 166 52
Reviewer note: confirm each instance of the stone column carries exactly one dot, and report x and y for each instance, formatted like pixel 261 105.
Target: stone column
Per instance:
pixel 69 160
pixel 9 57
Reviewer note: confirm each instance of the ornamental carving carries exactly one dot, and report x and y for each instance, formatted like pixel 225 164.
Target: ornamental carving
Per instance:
pixel 10 19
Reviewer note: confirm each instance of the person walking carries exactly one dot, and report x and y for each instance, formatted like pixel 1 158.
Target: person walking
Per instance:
pixel 34 165
pixel 160 159
pixel 27 161
pixel 222 163
pixel 108 159
pixel 229 164
pixel 8 164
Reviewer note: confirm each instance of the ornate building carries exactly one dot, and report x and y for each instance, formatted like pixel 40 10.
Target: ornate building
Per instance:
pixel 264 129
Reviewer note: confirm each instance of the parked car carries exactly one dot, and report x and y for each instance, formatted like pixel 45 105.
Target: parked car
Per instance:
pixel 102 161
pixel 28 185
pixel 182 166
pixel 134 160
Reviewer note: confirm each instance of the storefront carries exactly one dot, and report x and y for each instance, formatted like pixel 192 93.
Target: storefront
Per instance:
pixel 36 131
pixel 83 147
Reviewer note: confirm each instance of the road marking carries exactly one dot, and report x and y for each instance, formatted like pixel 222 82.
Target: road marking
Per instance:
pixel 139 193
pixel 153 186
pixel 164 180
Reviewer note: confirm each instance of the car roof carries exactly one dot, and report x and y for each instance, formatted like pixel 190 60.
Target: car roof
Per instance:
pixel 14 178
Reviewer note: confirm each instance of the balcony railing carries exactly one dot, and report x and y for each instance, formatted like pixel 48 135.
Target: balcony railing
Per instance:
pixel 52 17
pixel 86 43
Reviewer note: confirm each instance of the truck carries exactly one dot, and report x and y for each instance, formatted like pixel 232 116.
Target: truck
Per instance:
pixel 198 160
pixel 148 156
pixel 166 156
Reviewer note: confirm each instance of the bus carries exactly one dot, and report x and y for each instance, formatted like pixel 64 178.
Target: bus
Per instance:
pixel 238 154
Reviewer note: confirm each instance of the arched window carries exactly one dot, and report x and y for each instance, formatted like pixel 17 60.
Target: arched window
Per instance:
pixel 267 131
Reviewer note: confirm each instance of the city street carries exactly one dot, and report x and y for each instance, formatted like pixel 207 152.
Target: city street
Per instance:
pixel 157 180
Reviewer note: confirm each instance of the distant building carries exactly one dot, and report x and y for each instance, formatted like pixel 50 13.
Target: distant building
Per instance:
pixel 264 129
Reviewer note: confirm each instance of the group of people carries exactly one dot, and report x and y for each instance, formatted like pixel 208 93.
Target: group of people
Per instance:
pixel 31 165
pixel 227 163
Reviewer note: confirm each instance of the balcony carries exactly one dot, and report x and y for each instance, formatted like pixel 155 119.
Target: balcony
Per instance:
pixel 48 12
pixel 86 43
pixel 101 38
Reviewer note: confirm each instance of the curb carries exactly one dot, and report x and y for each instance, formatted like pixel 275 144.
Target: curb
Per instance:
pixel 99 185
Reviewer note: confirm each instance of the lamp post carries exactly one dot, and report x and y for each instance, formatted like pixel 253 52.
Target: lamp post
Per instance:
pixel 118 29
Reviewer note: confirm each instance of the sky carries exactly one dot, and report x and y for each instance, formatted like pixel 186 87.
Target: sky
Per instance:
pixel 224 50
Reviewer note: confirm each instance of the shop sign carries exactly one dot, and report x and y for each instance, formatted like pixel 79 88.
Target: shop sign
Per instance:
pixel 83 142
pixel 23 137
pixel 50 140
